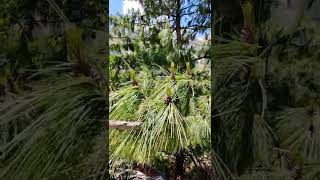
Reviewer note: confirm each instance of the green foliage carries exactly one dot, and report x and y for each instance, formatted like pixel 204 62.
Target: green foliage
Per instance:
pixel 57 132
pixel 53 126
pixel 248 14
pixel 266 99
pixel 172 114
pixel 267 104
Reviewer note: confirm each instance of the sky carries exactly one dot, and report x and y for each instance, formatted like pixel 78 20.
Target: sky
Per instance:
pixel 122 6
pixel 115 6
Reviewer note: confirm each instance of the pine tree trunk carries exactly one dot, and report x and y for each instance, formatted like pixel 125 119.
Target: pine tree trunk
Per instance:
pixel 178 23
pixel 180 157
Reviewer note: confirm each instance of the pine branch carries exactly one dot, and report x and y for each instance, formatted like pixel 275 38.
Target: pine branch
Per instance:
pixel 123 125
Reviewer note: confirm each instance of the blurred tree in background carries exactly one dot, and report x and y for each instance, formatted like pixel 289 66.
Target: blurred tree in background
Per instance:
pixel 52 89
pixel 266 96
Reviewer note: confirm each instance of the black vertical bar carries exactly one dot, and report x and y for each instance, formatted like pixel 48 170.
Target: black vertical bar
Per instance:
pixel 107 87
pixel 214 135
pixel 212 72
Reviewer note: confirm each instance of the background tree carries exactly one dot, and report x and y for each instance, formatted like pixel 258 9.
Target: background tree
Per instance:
pixel 47 126
pixel 261 104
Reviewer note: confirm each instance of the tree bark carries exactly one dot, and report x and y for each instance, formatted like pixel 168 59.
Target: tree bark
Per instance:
pixel 124 125
pixel 178 23
pixel 180 157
